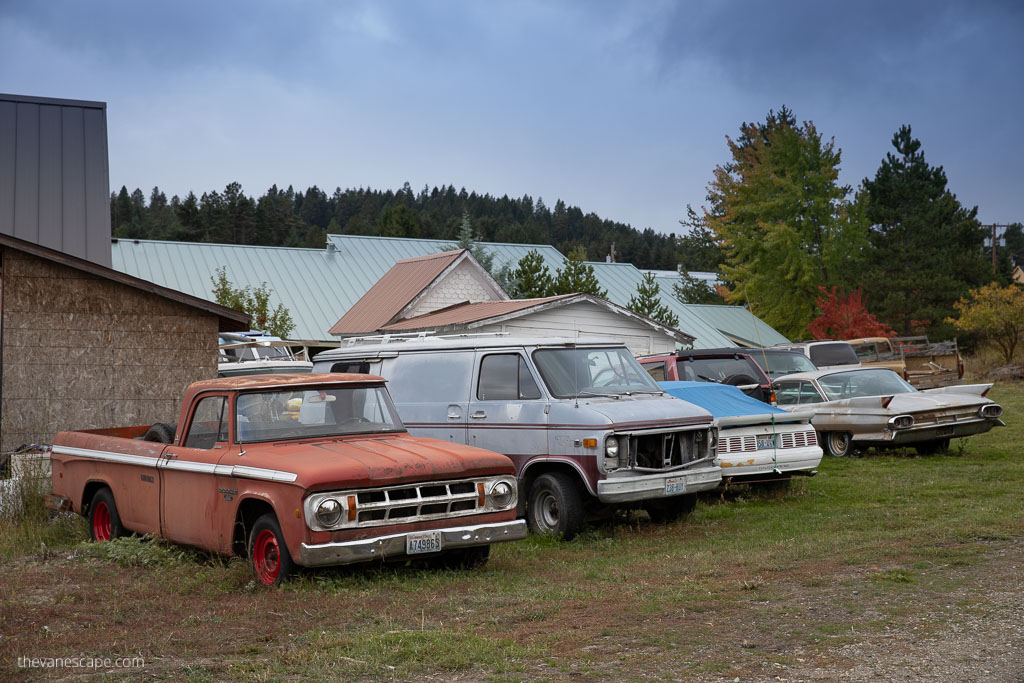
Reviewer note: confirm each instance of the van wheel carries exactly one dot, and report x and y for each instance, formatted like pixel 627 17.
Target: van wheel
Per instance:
pixel 671 509
pixel 556 506
pixel 104 522
pixel 268 553
pixel 837 443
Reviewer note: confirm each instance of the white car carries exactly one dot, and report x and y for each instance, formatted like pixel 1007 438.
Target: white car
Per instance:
pixel 876 407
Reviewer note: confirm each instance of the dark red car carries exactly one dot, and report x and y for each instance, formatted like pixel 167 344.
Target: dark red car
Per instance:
pixel 723 366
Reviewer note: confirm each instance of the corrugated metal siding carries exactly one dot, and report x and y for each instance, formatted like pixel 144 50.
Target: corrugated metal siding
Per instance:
pixel 54 176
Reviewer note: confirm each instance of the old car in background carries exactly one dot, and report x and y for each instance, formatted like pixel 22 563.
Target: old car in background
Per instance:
pixel 722 366
pixel 289 470
pixel 587 428
pixel 922 363
pixel 864 407
pixel 778 362
pixel 826 354
pixel 756 442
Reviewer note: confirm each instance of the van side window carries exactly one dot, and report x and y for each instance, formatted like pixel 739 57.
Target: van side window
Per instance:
pixel 208 423
pixel 429 377
pixel 505 377
pixel 361 367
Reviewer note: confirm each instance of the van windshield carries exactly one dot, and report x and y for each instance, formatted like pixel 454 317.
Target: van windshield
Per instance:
pixel 571 372
pixel 308 412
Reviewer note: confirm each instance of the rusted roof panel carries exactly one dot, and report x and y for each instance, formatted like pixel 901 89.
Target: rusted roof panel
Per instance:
pixel 393 292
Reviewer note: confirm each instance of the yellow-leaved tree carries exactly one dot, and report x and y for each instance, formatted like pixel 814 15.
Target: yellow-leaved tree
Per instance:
pixel 996 314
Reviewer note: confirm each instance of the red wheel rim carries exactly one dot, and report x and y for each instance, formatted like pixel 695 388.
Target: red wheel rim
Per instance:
pixel 266 557
pixel 101 522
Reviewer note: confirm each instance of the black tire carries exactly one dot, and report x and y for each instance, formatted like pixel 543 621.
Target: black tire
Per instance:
pixel 160 432
pixel 838 444
pixel 666 510
pixel 555 506
pixel 932 447
pixel 268 554
pixel 104 522
pixel 739 380
pixel 462 558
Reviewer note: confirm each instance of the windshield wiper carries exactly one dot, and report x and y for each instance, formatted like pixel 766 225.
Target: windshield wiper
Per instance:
pixel 598 394
pixel 708 379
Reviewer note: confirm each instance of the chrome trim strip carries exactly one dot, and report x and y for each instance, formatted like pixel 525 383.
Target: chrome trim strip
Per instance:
pixel 107 456
pixel 240 471
pixel 382 547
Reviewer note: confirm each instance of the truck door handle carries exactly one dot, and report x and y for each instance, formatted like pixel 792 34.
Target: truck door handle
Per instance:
pixel 478 415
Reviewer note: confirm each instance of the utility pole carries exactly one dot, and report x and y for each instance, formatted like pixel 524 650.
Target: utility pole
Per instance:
pixel 995 227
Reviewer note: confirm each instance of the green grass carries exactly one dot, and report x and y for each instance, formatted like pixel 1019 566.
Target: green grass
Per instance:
pixel 870 542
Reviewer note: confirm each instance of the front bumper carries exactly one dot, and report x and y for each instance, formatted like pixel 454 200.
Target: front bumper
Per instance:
pixel 648 486
pixel 762 462
pixel 393 545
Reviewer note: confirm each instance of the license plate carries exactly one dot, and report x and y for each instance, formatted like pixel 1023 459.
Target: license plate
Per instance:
pixel 765 442
pixel 675 485
pixel 423 542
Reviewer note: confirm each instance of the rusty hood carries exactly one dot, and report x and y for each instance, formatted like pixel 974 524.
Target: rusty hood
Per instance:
pixel 375 460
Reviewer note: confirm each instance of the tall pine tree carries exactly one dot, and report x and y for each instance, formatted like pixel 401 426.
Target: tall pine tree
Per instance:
pixel 926 249
pixel 647 302
pixel 576 276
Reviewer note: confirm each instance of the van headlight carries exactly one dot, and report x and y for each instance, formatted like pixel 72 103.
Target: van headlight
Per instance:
pixel 502 495
pixel 328 512
pixel 611 453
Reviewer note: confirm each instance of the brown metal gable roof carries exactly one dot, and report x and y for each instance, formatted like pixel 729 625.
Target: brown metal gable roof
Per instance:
pixel 393 292
pixel 468 313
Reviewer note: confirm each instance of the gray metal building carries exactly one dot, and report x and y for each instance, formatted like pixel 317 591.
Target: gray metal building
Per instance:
pixel 54 178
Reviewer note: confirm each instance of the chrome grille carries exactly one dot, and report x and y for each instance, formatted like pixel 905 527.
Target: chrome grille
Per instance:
pixel 415 502
pixel 945 417
pixel 748 443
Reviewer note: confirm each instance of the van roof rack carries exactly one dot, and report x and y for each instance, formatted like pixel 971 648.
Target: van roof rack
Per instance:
pixel 413 336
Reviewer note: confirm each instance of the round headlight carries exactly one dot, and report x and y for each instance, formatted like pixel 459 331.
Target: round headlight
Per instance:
pixel 328 513
pixel 502 495
pixel 611 447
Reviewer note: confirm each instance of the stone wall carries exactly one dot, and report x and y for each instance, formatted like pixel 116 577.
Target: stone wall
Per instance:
pixel 83 352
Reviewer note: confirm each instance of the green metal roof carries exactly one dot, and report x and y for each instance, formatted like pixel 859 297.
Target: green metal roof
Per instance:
pixel 738 324
pixel 318 286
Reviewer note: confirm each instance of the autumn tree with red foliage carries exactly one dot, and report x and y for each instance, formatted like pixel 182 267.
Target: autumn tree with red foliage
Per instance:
pixel 843 316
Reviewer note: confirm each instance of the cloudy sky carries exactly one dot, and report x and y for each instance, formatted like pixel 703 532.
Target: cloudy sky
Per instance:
pixel 620 108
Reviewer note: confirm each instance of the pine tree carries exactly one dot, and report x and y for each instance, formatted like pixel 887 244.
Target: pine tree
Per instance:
pixel 925 248
pixel 647 302
pixel 693 290
pixel 531 279
pixel 575 276
pixel 468 239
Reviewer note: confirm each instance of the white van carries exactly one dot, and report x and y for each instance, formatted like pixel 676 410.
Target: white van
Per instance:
pixel 583 422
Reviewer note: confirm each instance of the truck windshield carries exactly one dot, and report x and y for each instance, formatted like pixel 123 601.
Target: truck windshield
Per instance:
pixel 574 372
pixel 307 412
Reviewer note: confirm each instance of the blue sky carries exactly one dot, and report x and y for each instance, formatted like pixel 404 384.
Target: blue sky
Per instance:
pixel 620 108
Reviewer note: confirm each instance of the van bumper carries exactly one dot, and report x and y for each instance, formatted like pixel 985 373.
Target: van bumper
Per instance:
pixel 393 545
pixel 648 486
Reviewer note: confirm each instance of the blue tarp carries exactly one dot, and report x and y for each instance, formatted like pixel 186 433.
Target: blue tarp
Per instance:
pixel 721 400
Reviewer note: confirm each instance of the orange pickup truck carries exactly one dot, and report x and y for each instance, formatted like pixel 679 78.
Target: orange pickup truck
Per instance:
pixel 290 470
